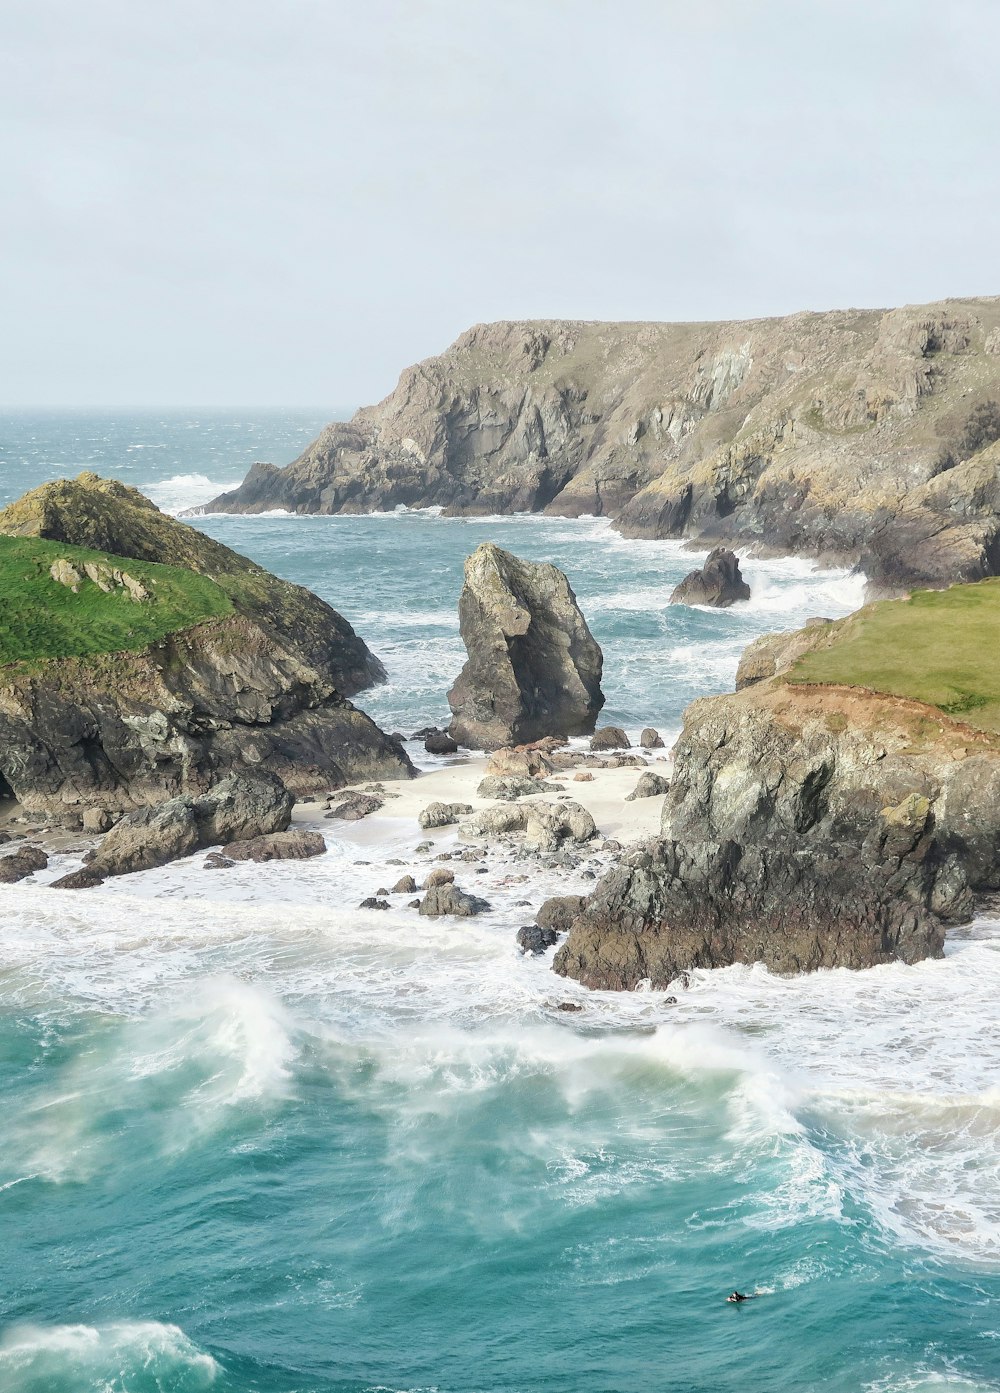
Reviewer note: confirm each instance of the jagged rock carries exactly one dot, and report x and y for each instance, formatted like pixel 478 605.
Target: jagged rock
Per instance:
pixel 406 885
pixel 242 806
pixel 438 877
pixel 524 762
pixel 22 863
pixel 532 939
pixel 261 683
pixel 650 785
pixel 86 878
pixel 718 583
pixel 508 789
pixel 449 899
pixel 293 845
pixel 534 668
pixel 651 739
pixel 214 861
pixel 550 824
pixel 373 902
pixel 440 743
pixel 559 911
pixel 442 814
pixel 354 807
pixel 498 821
pixel 610 738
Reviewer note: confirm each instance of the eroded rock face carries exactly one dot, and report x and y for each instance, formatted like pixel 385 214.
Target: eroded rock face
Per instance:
pixel 718 583
pixel 534 668
pixel 804 828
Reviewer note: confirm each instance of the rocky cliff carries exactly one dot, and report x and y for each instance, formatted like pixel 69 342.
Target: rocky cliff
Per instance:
pixel 843 435
pixel 811 824
pixel 114 697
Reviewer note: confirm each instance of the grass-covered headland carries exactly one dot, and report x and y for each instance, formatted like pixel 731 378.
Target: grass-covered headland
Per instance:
pixel 42 618
pixel 941 647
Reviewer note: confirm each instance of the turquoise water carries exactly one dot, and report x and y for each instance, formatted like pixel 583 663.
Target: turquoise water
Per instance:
pixel 254 1139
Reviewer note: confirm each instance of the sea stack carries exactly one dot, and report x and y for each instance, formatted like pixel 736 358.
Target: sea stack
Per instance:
pixel 718 583
pixel 534 668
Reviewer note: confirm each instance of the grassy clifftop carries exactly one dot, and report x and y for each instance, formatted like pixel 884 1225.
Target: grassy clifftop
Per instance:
pixel 43 617
pixel 939 647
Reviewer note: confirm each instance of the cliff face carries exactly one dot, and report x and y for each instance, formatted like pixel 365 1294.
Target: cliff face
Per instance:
pixel 840 435
pixel 256 683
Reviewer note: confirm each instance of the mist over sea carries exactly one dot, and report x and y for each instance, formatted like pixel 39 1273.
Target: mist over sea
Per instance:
pixel 259 1141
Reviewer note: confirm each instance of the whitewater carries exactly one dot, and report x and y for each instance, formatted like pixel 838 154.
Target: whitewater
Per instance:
pixel 256 1138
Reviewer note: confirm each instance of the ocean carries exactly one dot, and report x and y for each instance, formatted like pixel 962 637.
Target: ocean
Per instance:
pixel 258 1141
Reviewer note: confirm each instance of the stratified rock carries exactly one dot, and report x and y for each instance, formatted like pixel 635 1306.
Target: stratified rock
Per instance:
pixel 241 807
pixel 449 899
pixel 651 739
pixel 532 939
pixel 20 864
pixel 442 814
pixel 355 806
pixel 293 845
pixel 650 785
pixel 718 583
pixel 610 738
pixel 440 743
pixel 534 668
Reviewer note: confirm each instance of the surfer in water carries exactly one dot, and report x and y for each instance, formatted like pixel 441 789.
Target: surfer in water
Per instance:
pixel 738 1296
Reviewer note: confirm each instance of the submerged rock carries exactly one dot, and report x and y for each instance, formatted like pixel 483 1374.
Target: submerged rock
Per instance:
pixel 20 864
pixel 294 845
pixel 532 939
pixel 534 668
pixel 717 583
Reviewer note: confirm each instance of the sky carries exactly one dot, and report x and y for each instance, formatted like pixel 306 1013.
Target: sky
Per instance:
pixel 285 202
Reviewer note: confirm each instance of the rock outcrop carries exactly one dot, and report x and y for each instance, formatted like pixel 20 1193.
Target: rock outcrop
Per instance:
pixel 719 583
pixel 841 435
pixel 534 668
pixel 260 684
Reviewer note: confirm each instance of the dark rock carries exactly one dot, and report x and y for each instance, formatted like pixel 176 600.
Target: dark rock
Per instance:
pixel 532 939
pixel 442 814
pixel 569 1006
pixel 373 902
pixel 717 583
pixel 650 785
pixel 244 805
pixel 84 879
pixel 610 738
pixel 20 864
pixel 413 904
pixel 216 862
pixel 355 807
pixel 441 744
pixel 294 845
pixel 651 739
pixel 534 668
pixel 449 899
pixel 425 731
pixel 406 885
pixel 559 911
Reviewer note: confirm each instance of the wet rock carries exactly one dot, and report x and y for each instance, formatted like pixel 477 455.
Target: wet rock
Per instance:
pixel 441 743
pixel 534 668
pixel 532 939
pixel 610 738
pixel 438 877
pixel 373 902
pixel 651 739
pixel 86 878
pixel 20 864
pixel 442 814
pixel 215 861
pixel 569 1006
pixel 294 845
pixel 449 899
pixel 413 904
pixel 718 583
pixel 559 911
pixel 650 785
pixel 406 885
pixel 355 807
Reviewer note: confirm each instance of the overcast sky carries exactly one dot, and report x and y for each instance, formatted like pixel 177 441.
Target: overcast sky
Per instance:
pixel 283 202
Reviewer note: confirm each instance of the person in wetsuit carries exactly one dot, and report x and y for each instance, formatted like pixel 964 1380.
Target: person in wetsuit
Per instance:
pixel 738 1296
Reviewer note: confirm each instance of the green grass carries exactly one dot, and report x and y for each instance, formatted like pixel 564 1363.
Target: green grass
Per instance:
pixel 941 647
pixel 40 618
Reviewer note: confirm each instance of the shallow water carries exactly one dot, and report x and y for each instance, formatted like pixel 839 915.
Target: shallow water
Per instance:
pixel 255 1139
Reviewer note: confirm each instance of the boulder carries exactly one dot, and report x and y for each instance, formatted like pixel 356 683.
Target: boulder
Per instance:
pixel 438 877
pixel 523 762
pixel 243 806
pixel 373 902
pixel 532 939
pixel 497 821
pixel 442 814
pixel 294 845
pixel 354 807
pixel 97 820
pixel 651 739
pixel 718 583
pixel 610 738
pixel 534 668
pixel 406 885
pixel 509 789
pixel 20 864
pixel 550 824
pixel 86 878
pixel 449 899
pixel 650 785
pixel 440 743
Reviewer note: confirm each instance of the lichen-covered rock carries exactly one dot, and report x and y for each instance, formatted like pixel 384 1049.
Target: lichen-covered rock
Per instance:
pixel 719 583
pixel 449 899
pixel 534 668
